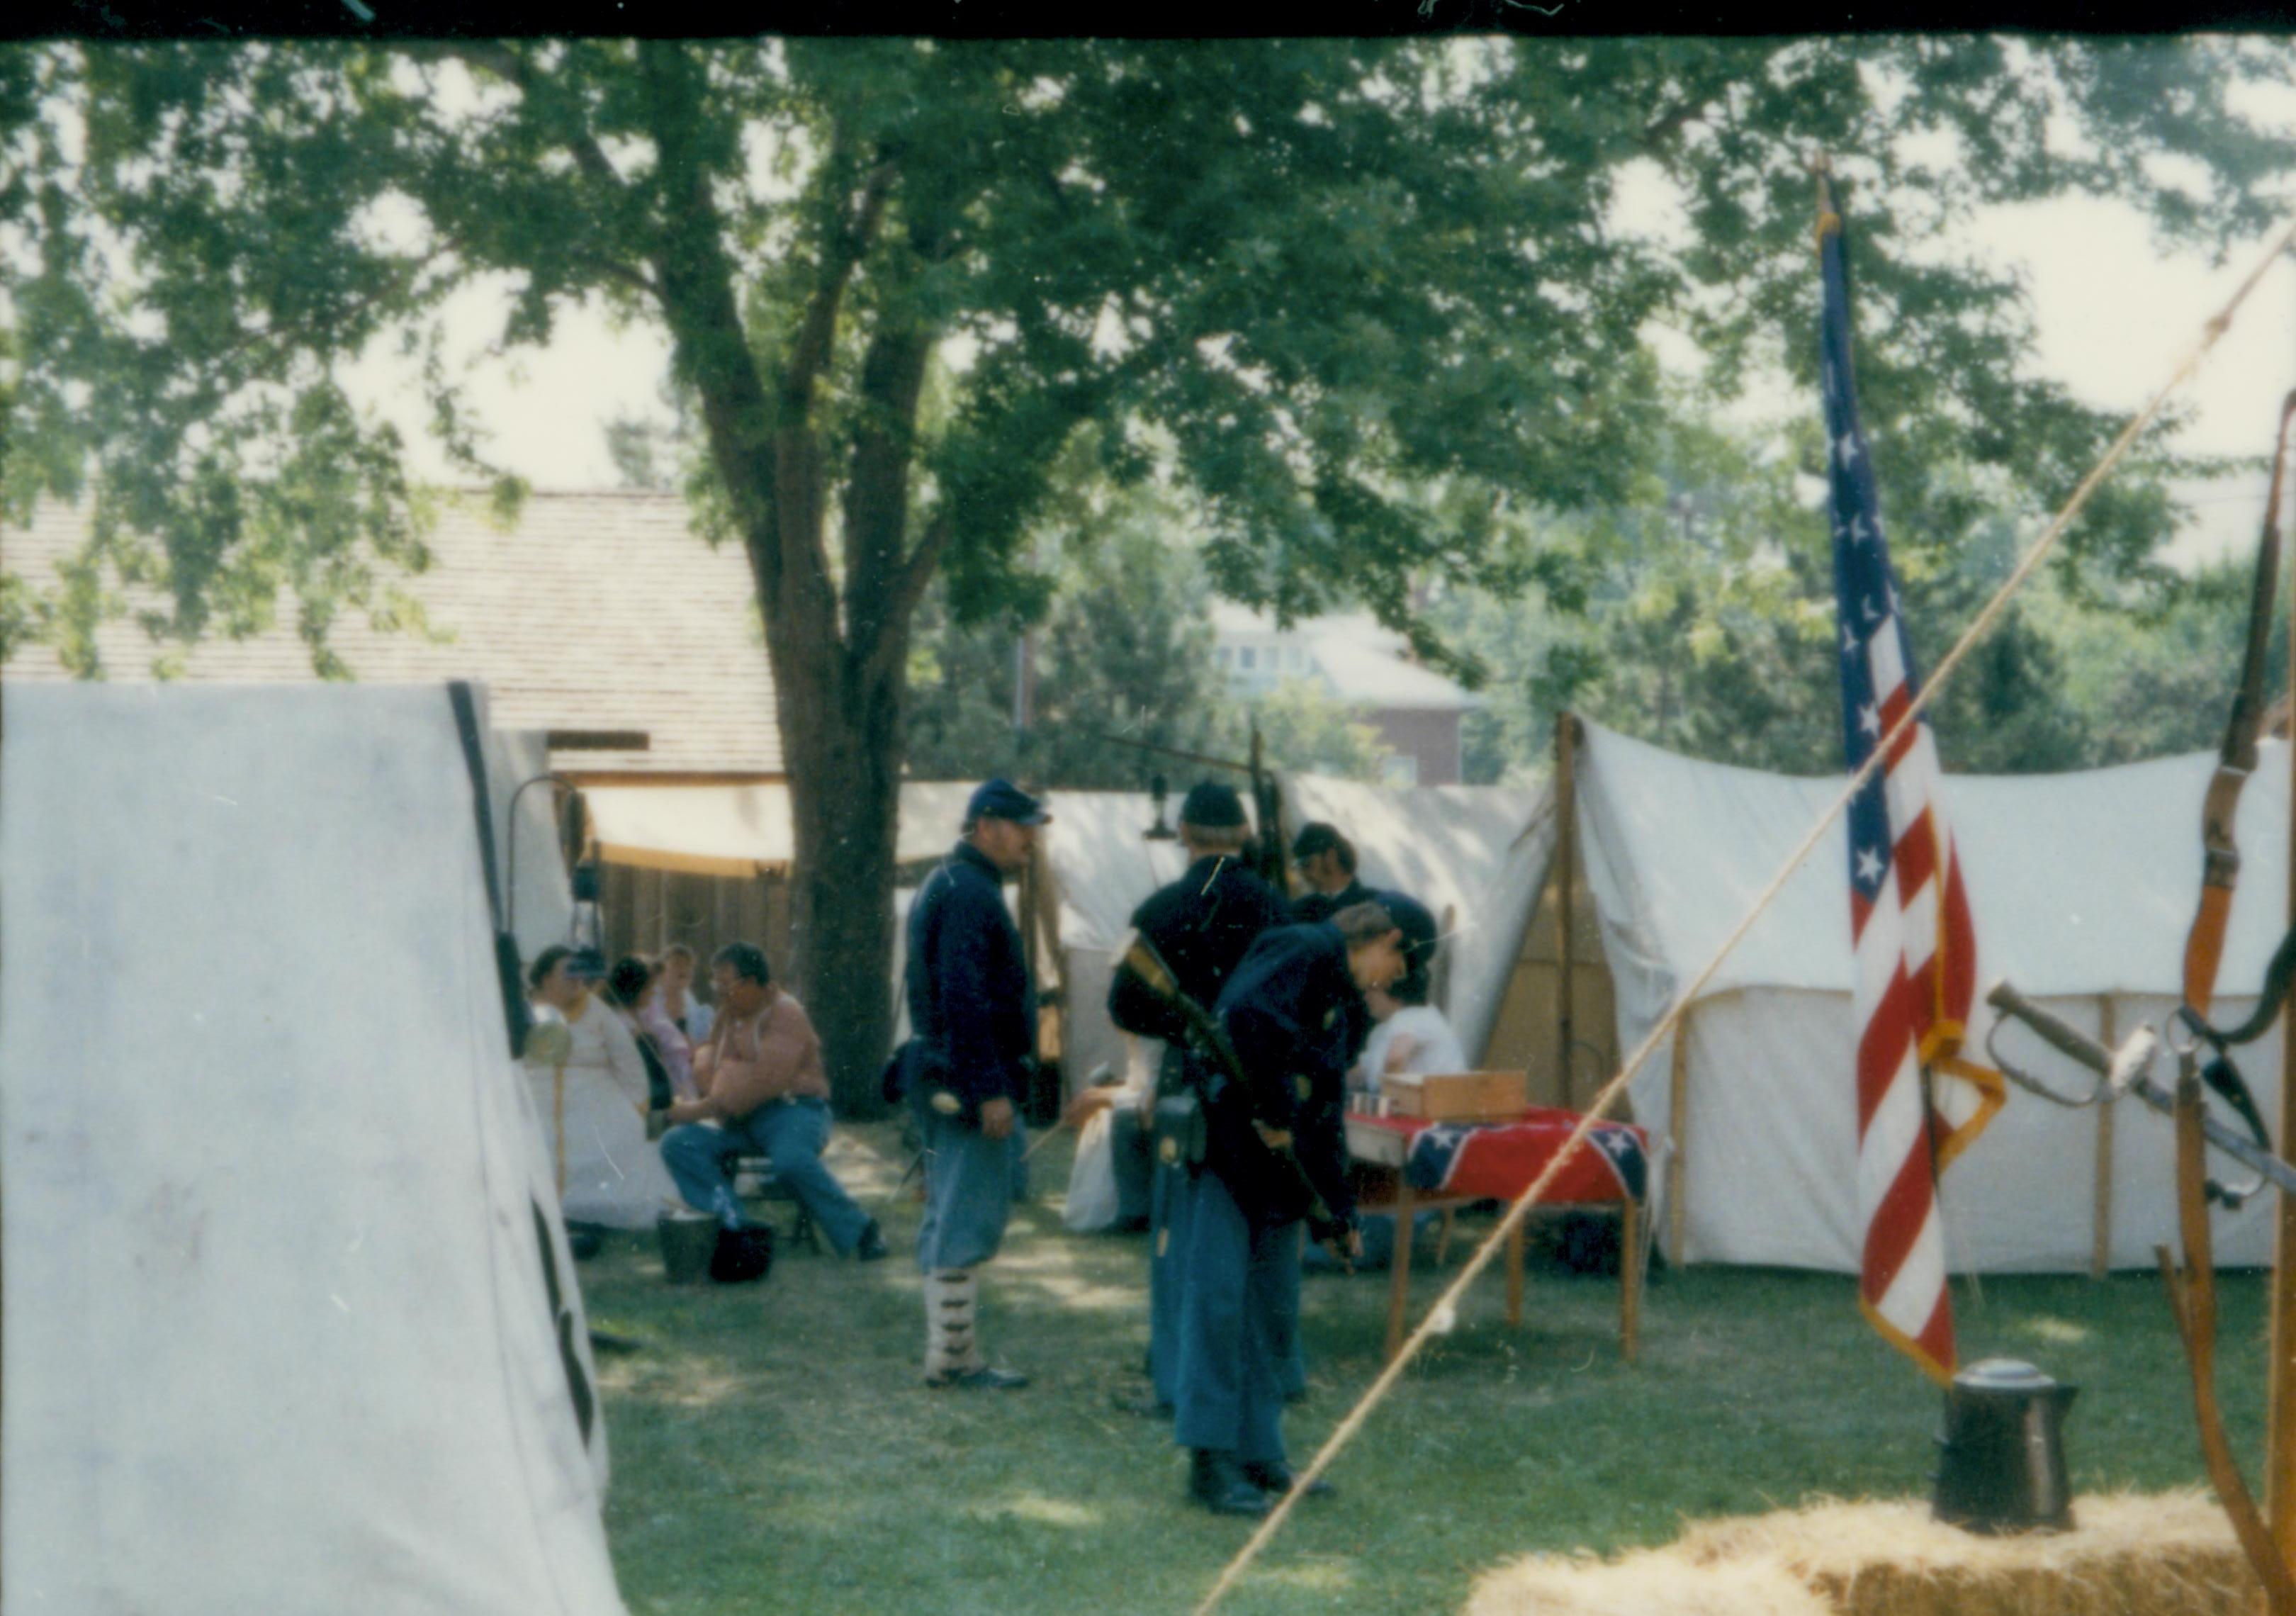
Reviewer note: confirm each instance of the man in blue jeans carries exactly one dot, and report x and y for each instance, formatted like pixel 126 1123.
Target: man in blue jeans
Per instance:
pixel 762 1091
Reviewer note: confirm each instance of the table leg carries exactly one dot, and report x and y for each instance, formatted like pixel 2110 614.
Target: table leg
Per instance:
pixel 1399 1291
pixel 1630 1278
pixel 1514 1274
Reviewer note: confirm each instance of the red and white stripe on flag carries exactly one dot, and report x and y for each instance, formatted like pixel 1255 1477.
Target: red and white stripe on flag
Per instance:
pixel 1919 1103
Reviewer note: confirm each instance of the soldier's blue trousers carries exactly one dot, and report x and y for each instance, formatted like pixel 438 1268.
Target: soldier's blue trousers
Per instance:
pixel 1169 1196
pixel 969 1184
pixel 1234 1337
pixel 1283 1316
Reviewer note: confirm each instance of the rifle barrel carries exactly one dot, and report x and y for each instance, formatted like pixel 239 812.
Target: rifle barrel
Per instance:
pixel 1173 751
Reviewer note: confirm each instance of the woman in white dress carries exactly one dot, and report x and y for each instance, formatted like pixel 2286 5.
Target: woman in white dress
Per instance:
pixel 612 1175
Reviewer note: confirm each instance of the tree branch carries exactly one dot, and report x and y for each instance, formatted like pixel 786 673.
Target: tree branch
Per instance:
pixel 850 239
pixel 509 65
pixel 877 489
pixel 695 278
pixel 916 573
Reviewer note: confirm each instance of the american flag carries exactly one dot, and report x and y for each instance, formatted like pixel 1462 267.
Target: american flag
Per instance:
pixel 1919 1104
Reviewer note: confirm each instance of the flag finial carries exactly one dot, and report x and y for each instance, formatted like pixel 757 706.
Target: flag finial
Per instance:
pixel 1822 167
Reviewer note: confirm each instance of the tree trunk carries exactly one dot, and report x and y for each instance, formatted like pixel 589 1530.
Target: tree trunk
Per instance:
pixel 839 652
pixel 841 739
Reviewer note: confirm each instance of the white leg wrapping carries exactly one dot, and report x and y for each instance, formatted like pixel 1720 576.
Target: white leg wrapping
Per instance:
pixel 949 1340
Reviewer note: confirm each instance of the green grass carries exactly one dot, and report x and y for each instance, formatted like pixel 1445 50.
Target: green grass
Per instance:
pixel 773 1451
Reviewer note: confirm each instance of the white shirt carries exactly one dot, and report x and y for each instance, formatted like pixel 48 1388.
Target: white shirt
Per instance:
pixel 1415 1041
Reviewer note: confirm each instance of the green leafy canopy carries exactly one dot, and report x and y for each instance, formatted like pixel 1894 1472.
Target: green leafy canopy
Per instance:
pixel 1320 271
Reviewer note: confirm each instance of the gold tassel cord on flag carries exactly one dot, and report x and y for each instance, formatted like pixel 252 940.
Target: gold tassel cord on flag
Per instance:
pixel 1668 1023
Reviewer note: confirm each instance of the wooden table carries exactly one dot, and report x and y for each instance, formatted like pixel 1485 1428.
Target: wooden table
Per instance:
pixel 1378 1146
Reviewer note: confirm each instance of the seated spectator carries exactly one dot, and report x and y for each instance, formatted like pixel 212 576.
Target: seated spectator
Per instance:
pixel 633 987
pixel 597 1103
pixel 687 1014
pixel 760 1089
pixel 1409 1036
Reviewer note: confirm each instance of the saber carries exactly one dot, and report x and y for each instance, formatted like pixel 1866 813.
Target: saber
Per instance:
pixel 2124 1070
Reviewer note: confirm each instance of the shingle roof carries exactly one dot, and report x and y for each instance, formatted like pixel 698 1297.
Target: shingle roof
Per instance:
pixel 597 612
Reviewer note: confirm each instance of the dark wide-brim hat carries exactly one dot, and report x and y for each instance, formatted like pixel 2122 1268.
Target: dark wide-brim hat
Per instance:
pixel 1002 799
pixel 1213 806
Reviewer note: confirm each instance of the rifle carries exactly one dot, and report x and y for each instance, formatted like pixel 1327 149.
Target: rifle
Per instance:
pixel 1204 1030
pixel 1267 799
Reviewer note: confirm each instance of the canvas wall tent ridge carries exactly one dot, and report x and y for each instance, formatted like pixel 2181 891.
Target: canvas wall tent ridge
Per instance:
pixel 289 1310
pixel 1476 853
pixel 2082 887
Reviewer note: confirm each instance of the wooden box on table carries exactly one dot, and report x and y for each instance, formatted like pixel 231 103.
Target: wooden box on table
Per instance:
pixel 1460 1096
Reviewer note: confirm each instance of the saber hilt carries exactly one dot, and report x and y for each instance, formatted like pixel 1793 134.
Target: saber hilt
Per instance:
pixel 2129 1070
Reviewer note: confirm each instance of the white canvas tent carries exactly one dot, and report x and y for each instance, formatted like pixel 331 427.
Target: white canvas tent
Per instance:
pixel 290 1321
pixel 1476 856
pixel 2082 887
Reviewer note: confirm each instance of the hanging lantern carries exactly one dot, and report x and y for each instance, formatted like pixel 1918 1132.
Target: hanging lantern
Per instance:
pixel 1158 831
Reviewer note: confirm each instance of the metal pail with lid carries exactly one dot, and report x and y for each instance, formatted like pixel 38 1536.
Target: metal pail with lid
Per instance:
pixel 2001 1467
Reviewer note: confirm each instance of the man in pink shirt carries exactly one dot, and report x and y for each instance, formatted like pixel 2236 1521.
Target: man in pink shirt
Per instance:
pixel 760 1089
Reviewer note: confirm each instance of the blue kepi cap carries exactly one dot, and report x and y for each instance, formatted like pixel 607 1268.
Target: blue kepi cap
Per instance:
pixel 1002 799
pixel 1212 805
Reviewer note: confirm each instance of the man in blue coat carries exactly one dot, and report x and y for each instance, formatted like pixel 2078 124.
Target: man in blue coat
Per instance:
pixel 972 1016
pixel 1275 1155
pixel 1201 926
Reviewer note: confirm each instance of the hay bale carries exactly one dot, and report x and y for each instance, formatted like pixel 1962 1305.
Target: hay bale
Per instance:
pixel 2130 1554
pixel 1652 1582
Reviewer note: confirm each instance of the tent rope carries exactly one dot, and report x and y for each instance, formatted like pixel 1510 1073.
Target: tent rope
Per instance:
pixel 1437 1316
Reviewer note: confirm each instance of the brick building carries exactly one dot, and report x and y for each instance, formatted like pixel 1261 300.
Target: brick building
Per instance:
pixel 1365 667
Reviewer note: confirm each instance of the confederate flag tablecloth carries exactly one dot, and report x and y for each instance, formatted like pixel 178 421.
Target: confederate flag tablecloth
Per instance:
pixel 1497 1161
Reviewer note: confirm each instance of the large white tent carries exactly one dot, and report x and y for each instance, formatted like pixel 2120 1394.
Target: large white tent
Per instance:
pixel 289 1320
pixel 2082 887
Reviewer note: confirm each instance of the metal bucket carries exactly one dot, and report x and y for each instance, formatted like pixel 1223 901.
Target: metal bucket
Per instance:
pixel 687 1241
pixel 2003 1467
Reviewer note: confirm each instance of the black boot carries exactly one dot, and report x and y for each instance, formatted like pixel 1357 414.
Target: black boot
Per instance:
pixel 1274 1476
pixel 1217 1481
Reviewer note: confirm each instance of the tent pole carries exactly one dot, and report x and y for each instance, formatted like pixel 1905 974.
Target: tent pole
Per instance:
pixel 1677 1127
pixel 1566 793
pixel 558 1126
pixel 2280 1428
pixel 2100 1257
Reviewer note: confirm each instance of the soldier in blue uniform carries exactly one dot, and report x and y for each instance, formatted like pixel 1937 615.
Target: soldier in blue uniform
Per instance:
pixel 1326 862
pixel 973 1013
pixel 1200 925
pixel 1276 1154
